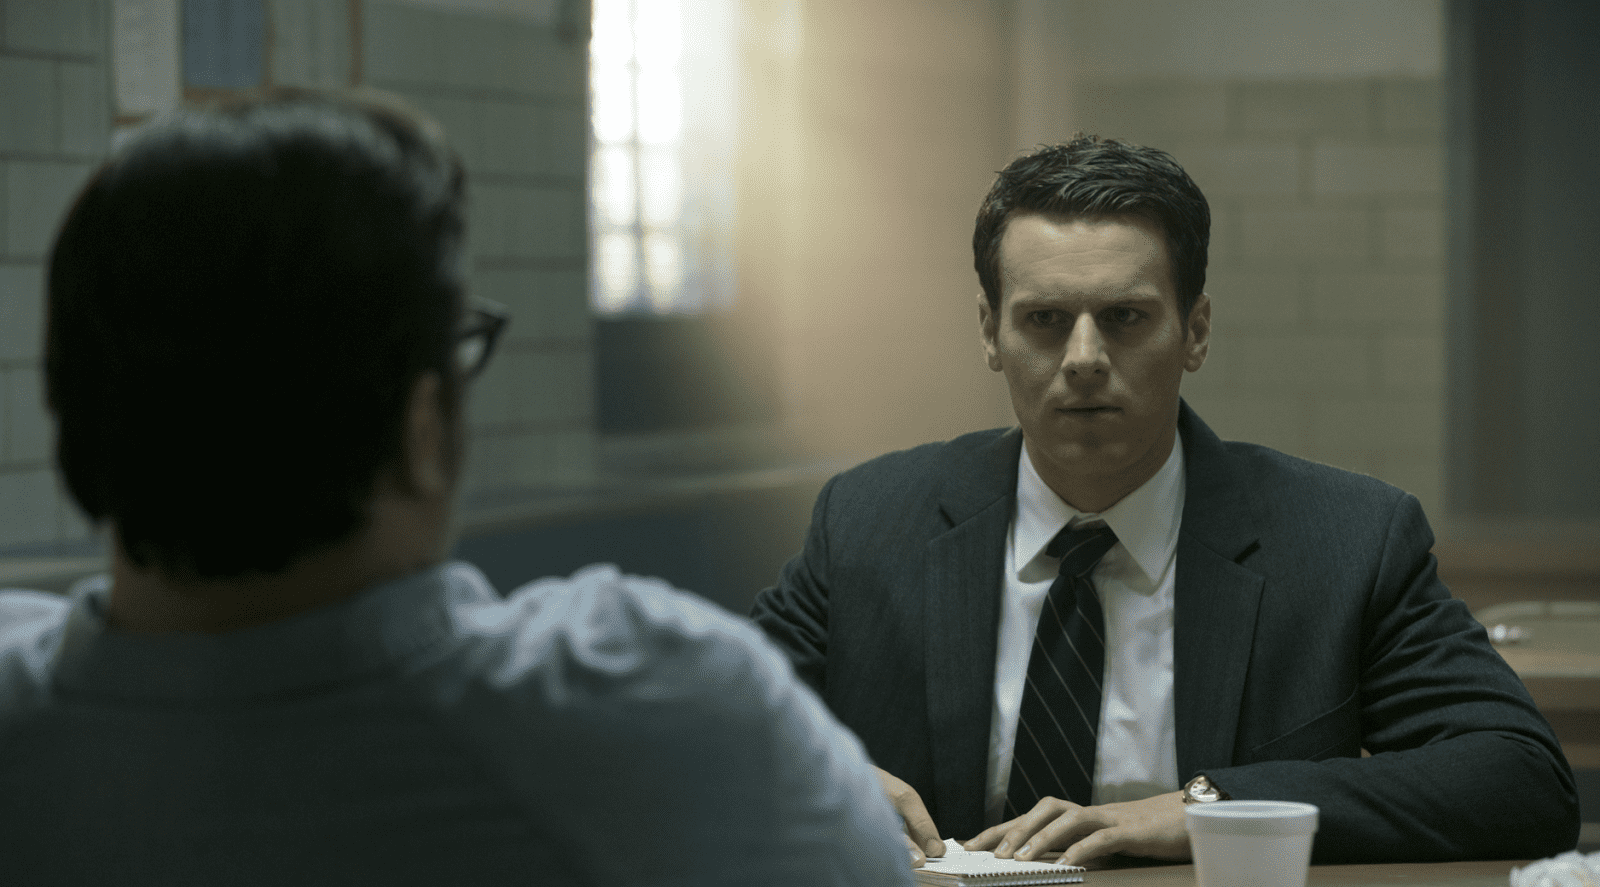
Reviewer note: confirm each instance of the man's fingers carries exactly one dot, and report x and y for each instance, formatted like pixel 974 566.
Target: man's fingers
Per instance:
pixel 920 830
pixel 1104 842
pixel 918 858
pixel 1069 830
pixel 1152 827
pixel 1019 833
pixel 919 825
pixel 992 837
pixel 987 838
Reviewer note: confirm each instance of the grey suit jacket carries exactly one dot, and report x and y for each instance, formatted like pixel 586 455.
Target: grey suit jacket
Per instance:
pixel 1309 626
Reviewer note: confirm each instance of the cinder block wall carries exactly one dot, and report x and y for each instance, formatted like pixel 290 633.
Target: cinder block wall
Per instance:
pixel 55 124
pixel 511 92
pixel 509 89
pixel 1327 259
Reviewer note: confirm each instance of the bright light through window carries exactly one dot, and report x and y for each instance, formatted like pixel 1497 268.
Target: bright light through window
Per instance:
pixel 664 128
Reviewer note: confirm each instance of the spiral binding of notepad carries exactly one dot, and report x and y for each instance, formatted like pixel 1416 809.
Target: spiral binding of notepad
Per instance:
pixel 981 868
pixel 1064 875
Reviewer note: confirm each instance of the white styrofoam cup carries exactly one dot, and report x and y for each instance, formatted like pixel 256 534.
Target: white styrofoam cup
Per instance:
pixel 1251 843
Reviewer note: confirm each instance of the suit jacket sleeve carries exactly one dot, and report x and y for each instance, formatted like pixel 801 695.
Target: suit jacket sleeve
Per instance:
pixel 794 613
pixel 1461 765
pixel 889 612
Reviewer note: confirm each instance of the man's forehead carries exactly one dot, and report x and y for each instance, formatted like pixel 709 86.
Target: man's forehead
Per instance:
pixel 1058 228
pixel 1055 229
pixel 1140 221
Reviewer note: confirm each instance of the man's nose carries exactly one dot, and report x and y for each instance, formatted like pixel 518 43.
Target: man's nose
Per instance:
pixel 1086 352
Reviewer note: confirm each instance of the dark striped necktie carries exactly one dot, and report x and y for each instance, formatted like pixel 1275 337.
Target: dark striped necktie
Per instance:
pixel 1060 716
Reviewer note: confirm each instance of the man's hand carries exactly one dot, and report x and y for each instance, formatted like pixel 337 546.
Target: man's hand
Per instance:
pixel 1151 828
pixel 922 836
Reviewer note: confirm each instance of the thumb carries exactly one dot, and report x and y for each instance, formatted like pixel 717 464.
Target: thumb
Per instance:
pixel 918 858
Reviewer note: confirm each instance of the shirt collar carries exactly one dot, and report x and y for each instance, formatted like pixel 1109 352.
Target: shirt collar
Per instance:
pixel 348 639
pixel 1146 520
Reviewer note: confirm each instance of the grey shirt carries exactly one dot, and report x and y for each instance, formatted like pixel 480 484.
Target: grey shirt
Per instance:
pixel 602 729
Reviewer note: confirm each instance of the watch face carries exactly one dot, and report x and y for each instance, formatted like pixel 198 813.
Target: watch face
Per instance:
pixel 1200 790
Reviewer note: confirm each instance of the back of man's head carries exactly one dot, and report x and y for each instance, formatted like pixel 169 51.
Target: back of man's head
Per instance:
pixel 239 304
pixel 1091 176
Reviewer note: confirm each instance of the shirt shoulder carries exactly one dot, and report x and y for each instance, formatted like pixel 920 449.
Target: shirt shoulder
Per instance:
pixel 24 612
pixel 603 660
pixel 609 635
pixel 658 715
pixel 30 629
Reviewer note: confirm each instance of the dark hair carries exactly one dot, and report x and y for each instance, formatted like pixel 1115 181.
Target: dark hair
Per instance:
pixel 1091 176
pixel 240 301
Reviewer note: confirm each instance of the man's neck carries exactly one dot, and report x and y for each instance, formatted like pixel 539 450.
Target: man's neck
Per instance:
pixel 1093 493
pixel 146 599
pixel 401 537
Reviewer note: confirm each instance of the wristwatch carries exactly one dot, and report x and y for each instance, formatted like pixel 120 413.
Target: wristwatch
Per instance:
pixel 1199 790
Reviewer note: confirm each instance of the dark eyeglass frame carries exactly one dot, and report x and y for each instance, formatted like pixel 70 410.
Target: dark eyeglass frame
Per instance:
pixel 485 320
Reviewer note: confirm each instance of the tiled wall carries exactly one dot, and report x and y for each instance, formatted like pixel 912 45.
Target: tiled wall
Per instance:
pixel 55 122
pixel 510 91
pixel 1327 261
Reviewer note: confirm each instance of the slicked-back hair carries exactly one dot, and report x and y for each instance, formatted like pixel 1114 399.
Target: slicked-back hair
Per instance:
pixel 239 304
pixel 1099 178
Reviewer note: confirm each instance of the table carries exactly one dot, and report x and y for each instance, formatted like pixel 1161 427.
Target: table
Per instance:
pixel 1408 874
pixel 1554 646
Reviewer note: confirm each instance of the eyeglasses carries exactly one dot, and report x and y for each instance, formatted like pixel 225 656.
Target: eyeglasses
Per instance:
pixel 475 342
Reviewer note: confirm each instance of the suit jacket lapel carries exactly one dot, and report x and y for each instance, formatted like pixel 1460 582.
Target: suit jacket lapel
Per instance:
pixel 962 583
pixel 1214 612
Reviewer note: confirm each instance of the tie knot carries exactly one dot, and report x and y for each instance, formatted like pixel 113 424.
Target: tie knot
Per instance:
pixel 1080 548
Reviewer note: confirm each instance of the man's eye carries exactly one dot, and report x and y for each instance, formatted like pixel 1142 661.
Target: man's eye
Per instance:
pixel 1044 318
pixel 1123 316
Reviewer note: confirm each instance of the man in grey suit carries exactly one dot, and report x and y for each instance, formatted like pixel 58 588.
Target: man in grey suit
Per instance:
pixel 1259 626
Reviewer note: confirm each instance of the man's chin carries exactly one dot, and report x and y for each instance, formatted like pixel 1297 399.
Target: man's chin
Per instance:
pixel 1091 475
pixel 1078 458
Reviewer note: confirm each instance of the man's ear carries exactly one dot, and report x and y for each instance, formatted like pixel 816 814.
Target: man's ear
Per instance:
pixel 1198 333
pixel 425 440
pixel 989 330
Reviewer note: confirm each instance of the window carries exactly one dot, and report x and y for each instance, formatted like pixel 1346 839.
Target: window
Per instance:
pixel 664 136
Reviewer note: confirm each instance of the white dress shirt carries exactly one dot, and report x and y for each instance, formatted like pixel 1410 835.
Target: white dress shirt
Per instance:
pixel 1137 751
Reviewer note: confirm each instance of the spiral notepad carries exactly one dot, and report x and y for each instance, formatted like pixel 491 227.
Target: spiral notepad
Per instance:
pixel 980 868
